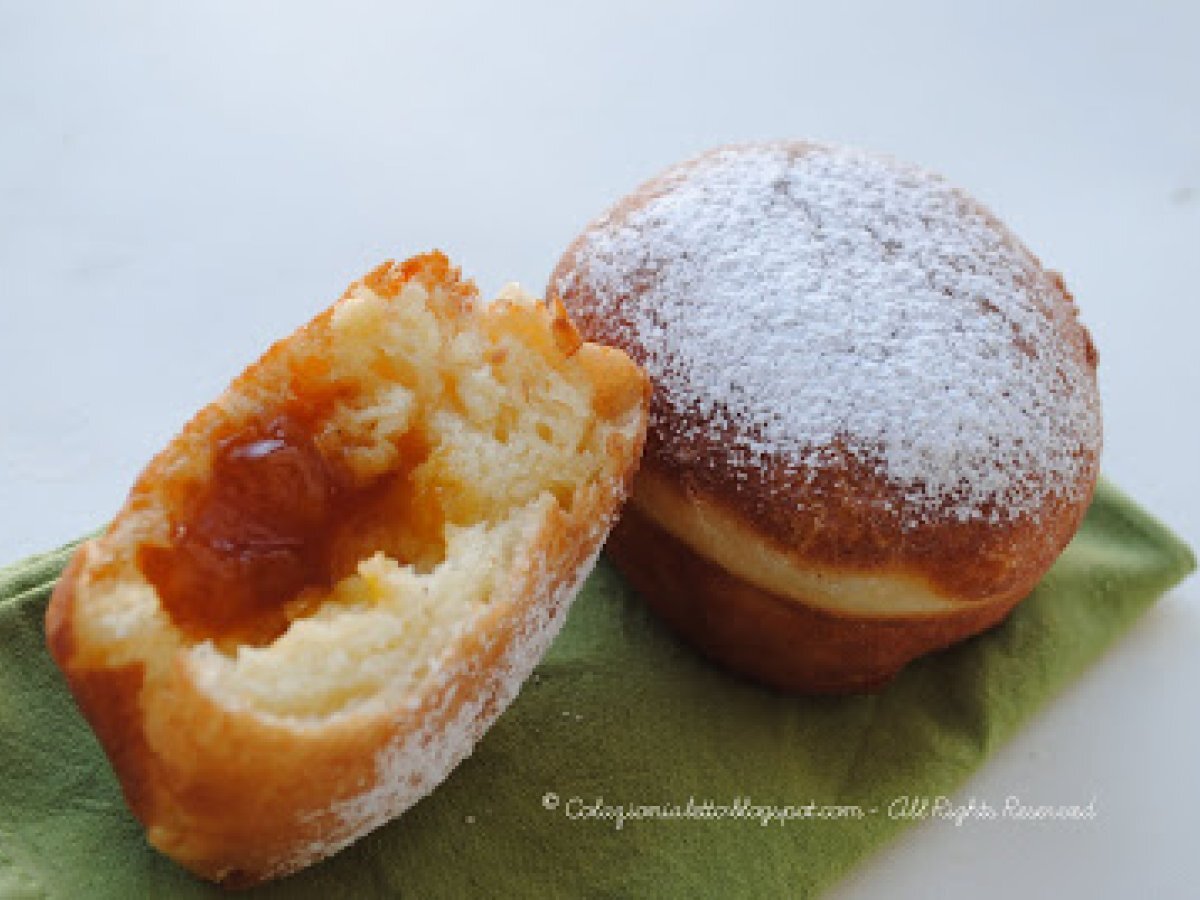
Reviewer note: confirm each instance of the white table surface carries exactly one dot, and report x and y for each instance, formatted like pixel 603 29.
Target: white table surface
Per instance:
pixel 180 187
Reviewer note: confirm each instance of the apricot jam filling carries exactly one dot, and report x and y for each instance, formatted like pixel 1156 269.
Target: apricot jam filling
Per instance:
pixel 276 525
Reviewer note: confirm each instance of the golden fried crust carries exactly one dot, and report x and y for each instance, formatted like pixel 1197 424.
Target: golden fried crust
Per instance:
pixel 109 698
pixel 239 797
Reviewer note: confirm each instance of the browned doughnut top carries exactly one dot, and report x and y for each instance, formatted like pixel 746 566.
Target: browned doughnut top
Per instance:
pixel 853 357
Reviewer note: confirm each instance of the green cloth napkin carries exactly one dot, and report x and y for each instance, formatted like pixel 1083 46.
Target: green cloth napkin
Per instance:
pixel 619 713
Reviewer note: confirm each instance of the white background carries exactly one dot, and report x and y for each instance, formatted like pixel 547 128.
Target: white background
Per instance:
pixel 179 187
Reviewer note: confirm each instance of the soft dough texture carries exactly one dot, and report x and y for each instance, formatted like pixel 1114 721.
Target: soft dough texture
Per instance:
pixel 875 421
pixel 328 585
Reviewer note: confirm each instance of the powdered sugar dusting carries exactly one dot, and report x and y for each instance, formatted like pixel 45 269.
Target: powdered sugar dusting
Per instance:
pixel 799 296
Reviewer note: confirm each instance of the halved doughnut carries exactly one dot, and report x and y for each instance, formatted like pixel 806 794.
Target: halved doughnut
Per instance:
pixel 323 591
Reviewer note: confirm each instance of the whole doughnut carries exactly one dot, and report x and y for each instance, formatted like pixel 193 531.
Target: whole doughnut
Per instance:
pixel 875 421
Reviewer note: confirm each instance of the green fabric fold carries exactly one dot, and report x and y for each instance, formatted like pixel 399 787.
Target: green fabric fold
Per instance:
pixel 619 714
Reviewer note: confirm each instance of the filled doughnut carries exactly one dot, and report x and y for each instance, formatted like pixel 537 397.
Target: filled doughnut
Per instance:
pixel 875 421
pixel 324 590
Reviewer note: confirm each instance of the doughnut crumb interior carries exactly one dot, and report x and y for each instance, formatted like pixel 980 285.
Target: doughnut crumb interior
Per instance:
pixel 329 584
